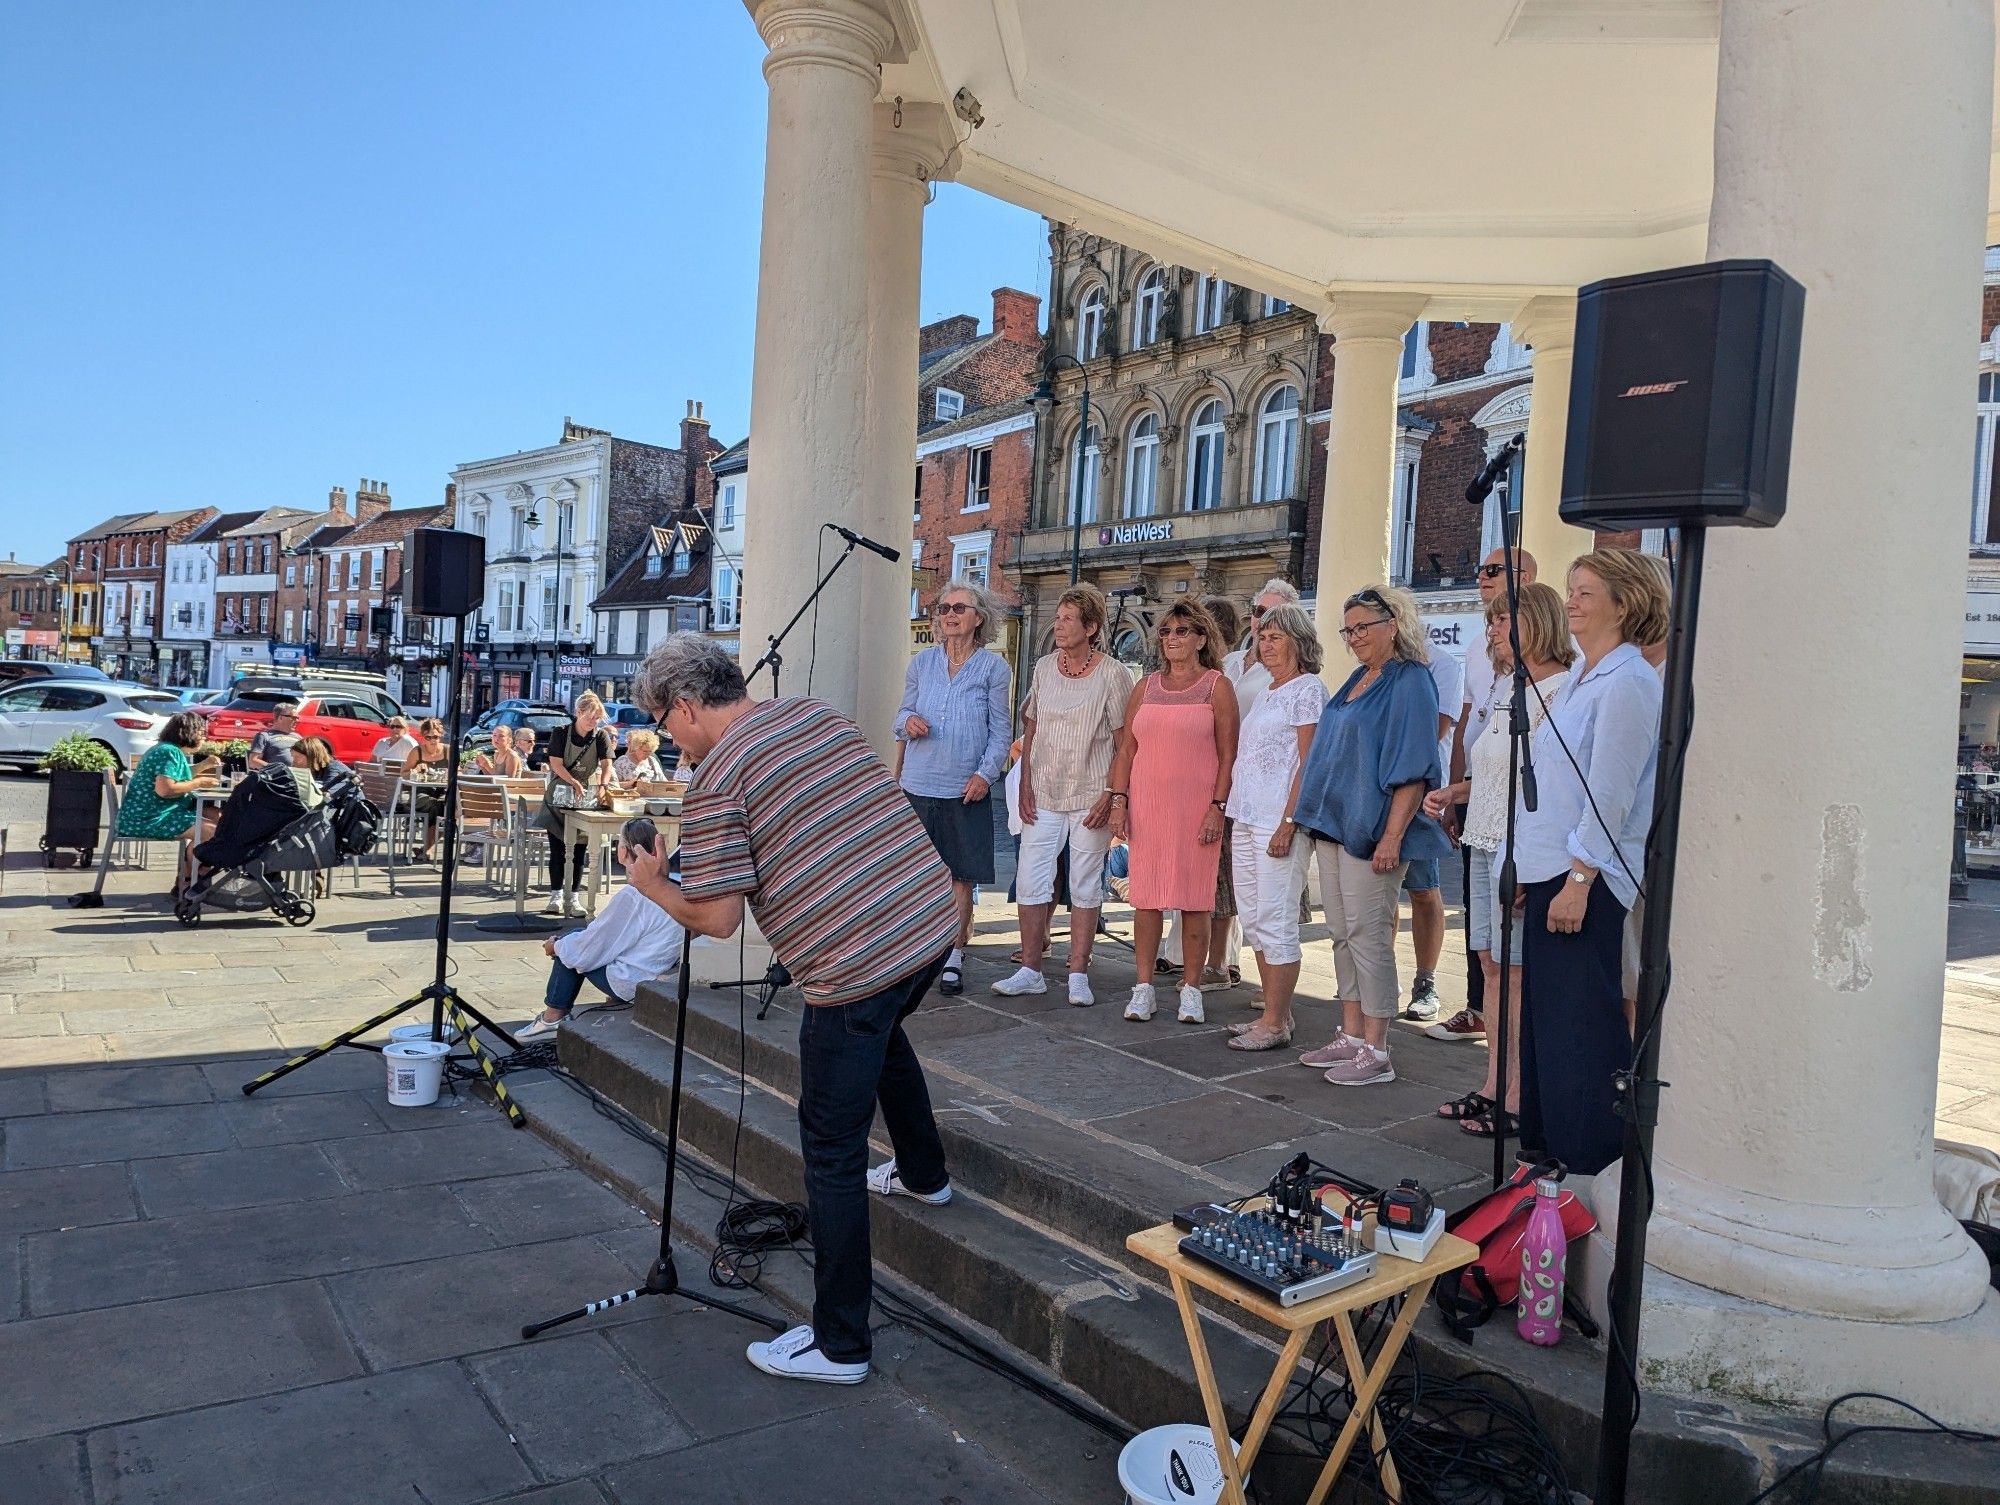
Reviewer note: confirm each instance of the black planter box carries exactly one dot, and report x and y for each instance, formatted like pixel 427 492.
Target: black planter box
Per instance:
pixel 75 816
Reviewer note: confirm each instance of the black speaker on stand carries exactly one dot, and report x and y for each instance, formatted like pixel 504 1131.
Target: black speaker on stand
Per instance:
pixel 1680 416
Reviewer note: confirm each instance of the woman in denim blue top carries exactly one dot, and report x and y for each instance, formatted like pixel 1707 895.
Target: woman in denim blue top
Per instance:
pixel 1372 760
pixel 954 726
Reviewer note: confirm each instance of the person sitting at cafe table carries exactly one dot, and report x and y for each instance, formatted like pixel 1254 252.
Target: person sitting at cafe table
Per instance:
pixel 501 759
pixel 640 760
pixel 159 798
pixel 534 759
pixel 275 743
pixel 393 748
pixel 426 762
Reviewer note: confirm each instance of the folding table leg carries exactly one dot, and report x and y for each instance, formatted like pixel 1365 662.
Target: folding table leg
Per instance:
pixel 1211 1393
pixel 1368 1383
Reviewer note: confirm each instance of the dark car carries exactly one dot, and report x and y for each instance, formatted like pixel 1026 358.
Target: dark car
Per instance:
pixel 543 717
pixel 624 718
pixel 14 670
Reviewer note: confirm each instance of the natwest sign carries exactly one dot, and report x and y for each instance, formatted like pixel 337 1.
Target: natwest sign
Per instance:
pixel 1148 530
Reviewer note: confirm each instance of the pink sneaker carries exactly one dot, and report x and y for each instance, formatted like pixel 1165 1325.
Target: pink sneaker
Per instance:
pixel 1364 1068
pixel 1340 1048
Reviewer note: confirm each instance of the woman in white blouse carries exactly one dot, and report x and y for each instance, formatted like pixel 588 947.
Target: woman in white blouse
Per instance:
pixel 1266 853
pixel 1546 650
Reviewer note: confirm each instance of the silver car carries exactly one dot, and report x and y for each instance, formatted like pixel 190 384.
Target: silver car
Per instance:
pixel 124 719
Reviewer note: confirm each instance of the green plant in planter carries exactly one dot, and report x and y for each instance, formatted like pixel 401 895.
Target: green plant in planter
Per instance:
pixel 236 747
pixel 76 753
pixel 208 750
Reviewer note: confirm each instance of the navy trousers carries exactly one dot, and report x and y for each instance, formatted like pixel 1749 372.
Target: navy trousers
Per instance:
pixel 1573 1037
pixel 853 1056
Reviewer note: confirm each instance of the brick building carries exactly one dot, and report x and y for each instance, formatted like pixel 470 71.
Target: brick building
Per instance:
pixel 363 572
pixel 250 561
pixel 34 603
pixel 85 564
pixel 132 574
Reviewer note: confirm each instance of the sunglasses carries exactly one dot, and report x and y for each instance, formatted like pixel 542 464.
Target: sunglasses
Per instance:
pixel 950 608
pixel 1182 631
pixel 1488 571
pixel 1369 597
pixel 1258 611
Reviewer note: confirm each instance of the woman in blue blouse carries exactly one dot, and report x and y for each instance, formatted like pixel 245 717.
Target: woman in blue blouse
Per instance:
pixel 954 726
pixel 1372 760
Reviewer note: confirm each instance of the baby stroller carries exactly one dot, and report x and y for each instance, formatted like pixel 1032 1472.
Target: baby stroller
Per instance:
pixel 264 833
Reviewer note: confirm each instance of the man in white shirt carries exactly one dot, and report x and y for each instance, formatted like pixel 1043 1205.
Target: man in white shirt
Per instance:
pixel 631 941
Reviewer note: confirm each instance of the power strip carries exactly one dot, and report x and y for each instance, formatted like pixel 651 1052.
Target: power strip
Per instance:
pixel 1411 1246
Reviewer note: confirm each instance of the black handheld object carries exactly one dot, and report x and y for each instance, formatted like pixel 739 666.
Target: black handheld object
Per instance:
pixel 1481 486
pixel 862 541
pixel 1405 1208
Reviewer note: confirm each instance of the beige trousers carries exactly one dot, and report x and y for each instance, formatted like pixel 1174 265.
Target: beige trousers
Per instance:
pixel 1361 913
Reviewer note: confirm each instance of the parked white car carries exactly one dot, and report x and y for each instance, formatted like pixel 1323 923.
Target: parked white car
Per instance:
pixel 125 719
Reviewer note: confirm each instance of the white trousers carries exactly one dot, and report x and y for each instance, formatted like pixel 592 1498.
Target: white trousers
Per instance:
pixel 1042 842
pixel 1267 892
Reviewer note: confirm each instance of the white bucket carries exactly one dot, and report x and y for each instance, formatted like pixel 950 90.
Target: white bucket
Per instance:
pixel 416 1071
pixel 403 1034
pixel 1174 1465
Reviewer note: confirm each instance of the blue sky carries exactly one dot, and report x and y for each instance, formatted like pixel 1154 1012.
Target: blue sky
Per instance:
pixel 255 250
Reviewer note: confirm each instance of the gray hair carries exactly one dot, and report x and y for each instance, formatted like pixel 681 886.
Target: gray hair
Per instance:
pixel 985 607
pixel 1293 622
pixel 687 666
pixel 1283 589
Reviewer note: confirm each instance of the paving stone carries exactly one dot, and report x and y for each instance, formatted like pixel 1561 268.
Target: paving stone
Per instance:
pixel 55 1050
pixel 694 1357
pixel 1292 1086
pixel 46 1471
pixel 417 1434
pixel 189 1044
pixel 21 1093
pixel 1209 1127
pixel 454 1152
pixel 885 1449
pixel 64 1197
pixel 576 1492
pixel 90 1369
pixel 214 1250
pixel 178 1184
pixel 114 1134
pixel 28 1026
pixel 343 1071
pixel 470 1303
pixel 1381 1161
pixel 550 1204
pixel 1205 1053
pixel 931 1025
pixel 290 1120
pixel 126 1087
pixel 1049 1069
pixel 535 1388
pixel 10 1277
pixel 195 963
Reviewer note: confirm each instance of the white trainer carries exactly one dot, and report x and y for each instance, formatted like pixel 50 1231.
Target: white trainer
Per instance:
pixel 555 904
pixel 1190 1011
pixel 1079 990
pixel 1027 980
pixel 1141 1006
pixel 538 1028
pixel 572 904
pixel 795 1356
pixel 886 1181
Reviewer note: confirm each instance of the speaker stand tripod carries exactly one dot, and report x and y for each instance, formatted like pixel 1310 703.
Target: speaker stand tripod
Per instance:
pixel 446 1005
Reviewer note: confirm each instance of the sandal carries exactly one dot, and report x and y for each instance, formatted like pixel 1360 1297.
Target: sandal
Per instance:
pixel 1261 1036
pixel 1213 981
pixel 1472 1105
pixel 951 981
pixel 1480 1126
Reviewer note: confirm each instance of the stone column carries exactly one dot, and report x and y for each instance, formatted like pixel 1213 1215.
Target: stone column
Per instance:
pixel 809 384
pixel 1801 1038
pixel 912 144
pixel 1548 327
pixel 1367 330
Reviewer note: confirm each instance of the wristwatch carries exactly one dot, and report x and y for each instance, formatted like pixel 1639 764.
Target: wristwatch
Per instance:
pixel 1576 877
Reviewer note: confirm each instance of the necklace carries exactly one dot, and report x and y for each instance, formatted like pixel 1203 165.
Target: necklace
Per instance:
pixel 1062 663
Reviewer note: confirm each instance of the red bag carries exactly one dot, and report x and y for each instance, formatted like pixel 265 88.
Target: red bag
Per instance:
pixel 1497 1223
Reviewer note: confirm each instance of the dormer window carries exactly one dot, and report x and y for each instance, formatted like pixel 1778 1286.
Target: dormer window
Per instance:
pixel 655 564
pixel 949 404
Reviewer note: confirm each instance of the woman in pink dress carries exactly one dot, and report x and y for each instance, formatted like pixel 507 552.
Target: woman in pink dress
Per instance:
pixel 1169 783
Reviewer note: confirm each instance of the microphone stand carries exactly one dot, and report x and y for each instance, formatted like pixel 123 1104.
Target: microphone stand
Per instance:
pixel 772 656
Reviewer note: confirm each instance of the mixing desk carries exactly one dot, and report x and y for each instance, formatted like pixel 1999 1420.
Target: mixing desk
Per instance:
pixel 1289 1259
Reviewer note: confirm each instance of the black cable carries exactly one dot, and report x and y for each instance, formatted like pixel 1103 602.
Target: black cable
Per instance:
pixel 1818 1461
pixel 819 573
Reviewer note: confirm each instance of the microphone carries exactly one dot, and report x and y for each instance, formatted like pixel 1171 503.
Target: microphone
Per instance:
pixel 867 543
pixel 1483 483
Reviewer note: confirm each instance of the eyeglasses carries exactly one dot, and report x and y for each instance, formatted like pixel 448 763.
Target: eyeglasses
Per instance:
pixel 950 608
pixel 1369 597
pixel 1258 611
pixel 1351 633
pixel 1181 630
pixel 1488 571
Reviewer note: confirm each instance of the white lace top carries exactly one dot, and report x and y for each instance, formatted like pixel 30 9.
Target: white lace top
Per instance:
pixel 1486 760
pixel 1267 751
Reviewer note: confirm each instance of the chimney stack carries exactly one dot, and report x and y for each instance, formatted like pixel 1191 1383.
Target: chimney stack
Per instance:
pixel 371 499
pixel 694 433
pixel 1017 316
pixel 336 500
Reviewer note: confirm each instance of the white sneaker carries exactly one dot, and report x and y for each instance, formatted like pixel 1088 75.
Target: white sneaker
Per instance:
pixel 1190 1012
pixel 1079 990
pixel 540 1027
pixel 555 905
pixel 1141 1006
pixel 886 1181
pixel 795 1356
pixel 572 905
pixel 1027 980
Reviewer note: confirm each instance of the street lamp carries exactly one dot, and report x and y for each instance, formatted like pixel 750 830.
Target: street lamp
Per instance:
pixel 61 583
pixel 1044 399
pixel 534 520
pixel 315 598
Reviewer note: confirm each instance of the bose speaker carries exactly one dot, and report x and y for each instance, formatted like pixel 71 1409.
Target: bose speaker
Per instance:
pixel 444 572
pixel 1680 407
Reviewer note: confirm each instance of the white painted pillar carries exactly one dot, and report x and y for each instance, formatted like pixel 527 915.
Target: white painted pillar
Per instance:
pixel 912 144
pixel 1801 1037
pixel 1355 517
pixel 1548 326
pixel 808 386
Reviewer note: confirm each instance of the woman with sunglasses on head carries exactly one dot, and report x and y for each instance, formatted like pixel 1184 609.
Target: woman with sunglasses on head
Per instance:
pixel 1169 787
pixel 953 727
pixel 1373 758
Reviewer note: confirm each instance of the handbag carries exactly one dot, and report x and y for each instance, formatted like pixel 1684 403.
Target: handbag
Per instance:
pixel 1497 1223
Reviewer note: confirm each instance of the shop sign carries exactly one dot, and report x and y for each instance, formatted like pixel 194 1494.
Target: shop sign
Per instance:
pixel 16 637
pixel 411 652
pixel 289 654
pixel 1146 530
pixel 573 666
pixel 1982 623
pixel 1458 633
pixel 37 638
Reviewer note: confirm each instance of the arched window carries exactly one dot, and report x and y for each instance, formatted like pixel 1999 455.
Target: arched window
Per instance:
pixel 1205 457
pixel 1211 307
pixel 1142 468
pixel 1149 307
pixel 1277 445
pixel 1083 478
pixel 1090 325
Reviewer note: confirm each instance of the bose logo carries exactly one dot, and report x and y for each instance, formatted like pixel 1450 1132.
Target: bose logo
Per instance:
pixel 1653 388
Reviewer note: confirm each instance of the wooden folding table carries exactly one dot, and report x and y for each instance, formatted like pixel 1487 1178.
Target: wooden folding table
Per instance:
pixel 1410 1279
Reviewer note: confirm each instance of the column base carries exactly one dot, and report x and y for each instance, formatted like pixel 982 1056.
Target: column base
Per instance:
pixel 716 960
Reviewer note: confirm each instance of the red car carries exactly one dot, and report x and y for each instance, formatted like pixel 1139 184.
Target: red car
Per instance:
pixel 350 725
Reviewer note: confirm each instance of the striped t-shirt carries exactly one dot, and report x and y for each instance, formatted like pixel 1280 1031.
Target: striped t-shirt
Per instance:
pixel 792 809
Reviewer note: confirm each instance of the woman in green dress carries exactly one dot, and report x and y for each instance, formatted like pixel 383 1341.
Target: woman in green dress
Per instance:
pixel 159 797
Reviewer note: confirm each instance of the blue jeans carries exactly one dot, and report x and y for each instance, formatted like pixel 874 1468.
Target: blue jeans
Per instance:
pixel 853 1056
pixel 565 982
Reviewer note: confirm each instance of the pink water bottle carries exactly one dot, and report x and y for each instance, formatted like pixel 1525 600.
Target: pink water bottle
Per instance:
pixel 1544 1249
